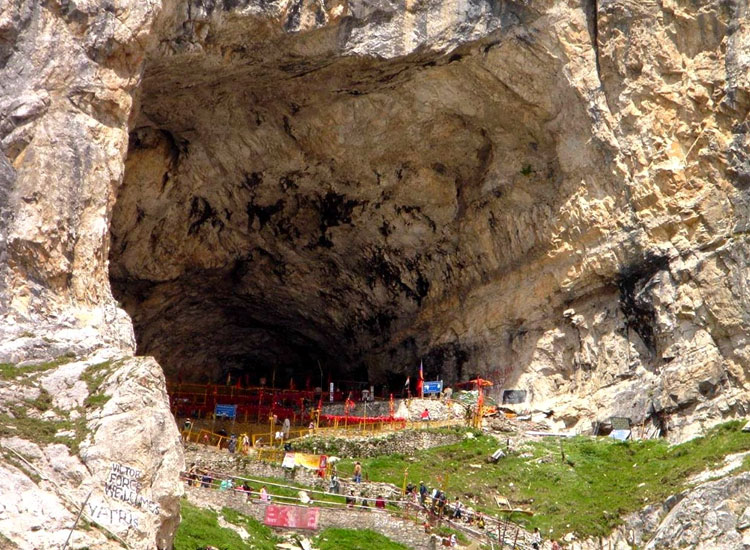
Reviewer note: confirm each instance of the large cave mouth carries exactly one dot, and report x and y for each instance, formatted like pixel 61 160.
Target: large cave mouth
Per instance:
pixel 298 218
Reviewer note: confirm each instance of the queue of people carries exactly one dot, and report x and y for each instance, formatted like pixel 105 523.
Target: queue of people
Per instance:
pixel 433 501
pixel 436 502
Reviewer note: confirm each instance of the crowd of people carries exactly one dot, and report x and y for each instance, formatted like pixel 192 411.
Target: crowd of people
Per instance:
pixel 200 477
pixel 360 499
pixel 435 502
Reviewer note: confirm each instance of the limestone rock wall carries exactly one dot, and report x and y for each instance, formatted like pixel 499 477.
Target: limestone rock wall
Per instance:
pixel 92 435
pixel 551 194
pixel 715 514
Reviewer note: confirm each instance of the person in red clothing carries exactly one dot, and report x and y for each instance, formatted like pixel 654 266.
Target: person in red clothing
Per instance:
pixel 425 415
pixel 380 502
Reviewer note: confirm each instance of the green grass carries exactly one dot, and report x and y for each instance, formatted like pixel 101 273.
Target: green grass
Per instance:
pixel 10 371
pixel 22 422
pixel 94 377
pixel 43 401
pixel 351 539
pixel 263 537
pixel 40 430
pixel 600 481
pixel 200 527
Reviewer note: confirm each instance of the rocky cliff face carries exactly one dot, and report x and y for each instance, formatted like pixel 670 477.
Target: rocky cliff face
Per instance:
pixel 549 193
pixel 93 437
pixel 715 514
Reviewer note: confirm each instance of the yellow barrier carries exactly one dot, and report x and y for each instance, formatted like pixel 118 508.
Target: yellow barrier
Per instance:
pixel 270 455
pixel 262 440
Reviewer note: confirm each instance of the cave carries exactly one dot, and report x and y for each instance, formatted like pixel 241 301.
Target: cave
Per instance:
pixel 289 212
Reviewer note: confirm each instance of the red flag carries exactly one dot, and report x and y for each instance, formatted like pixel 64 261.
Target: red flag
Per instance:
pixel 420 381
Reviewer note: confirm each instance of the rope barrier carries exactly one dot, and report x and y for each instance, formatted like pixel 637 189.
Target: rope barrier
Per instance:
pixel 402 504
pixel 218 475
pixel 478 536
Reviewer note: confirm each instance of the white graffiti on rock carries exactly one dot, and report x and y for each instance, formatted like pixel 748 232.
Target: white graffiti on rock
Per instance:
pixel 124 483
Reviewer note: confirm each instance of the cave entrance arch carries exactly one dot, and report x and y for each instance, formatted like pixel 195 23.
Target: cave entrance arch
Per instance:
pixel 284 216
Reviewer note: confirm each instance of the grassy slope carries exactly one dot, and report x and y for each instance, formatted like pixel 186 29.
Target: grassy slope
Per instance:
pixel 600 481
pixel 350 539
pixel 200 527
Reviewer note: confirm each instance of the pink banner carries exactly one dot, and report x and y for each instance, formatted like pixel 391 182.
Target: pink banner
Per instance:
pixel 292 516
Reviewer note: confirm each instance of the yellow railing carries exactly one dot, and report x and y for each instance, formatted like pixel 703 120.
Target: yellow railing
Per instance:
pixel 270 455
pixel 264 444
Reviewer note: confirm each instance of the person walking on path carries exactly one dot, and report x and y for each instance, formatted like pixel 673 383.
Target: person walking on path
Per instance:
pixel 422 492
pixel 357 472
pixel 457 509
pixel 536 539
pixel 441 503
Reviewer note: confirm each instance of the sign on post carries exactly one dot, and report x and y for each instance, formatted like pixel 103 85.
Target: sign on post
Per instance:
pixel 226 411
pixel 295 517
pixel 330 392
pixel 434 387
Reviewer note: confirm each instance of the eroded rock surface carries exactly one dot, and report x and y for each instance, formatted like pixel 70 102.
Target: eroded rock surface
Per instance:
pixel 551 194
pixel 714 514
pixel 95 434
